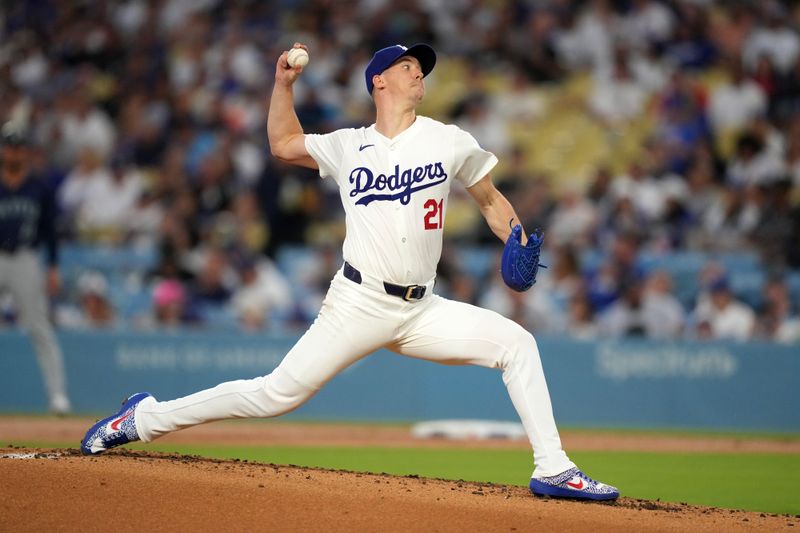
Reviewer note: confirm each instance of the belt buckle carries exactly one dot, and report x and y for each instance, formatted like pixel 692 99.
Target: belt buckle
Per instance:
pixel 409 290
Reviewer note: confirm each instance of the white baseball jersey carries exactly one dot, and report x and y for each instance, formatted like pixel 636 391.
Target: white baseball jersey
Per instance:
pixel 394 192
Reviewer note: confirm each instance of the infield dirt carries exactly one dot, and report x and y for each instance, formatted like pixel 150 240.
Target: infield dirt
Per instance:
pixel 58 489
pixel 61 490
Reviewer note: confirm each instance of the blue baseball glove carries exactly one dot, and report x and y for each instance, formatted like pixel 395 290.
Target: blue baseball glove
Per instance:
pixel 520 264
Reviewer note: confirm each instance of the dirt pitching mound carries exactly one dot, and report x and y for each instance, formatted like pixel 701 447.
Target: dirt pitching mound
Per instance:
pixel 60 489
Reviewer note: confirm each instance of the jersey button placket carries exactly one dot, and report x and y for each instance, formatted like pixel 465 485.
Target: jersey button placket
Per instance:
pixel 402 218
pixel 393 162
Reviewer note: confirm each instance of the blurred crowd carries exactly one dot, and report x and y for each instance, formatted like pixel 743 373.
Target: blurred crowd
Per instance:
pixel 149 120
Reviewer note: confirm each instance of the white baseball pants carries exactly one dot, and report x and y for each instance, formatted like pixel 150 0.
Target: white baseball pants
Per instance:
pixel 354 321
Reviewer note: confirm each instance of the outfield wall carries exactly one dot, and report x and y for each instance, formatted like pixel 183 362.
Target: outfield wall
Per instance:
pixel 752 386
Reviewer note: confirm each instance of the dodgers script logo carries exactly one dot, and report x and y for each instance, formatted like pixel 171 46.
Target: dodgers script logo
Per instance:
pixel 399 184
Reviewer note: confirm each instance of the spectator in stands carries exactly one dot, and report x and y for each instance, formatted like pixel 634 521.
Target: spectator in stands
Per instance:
pixel 169 266
pixel 574 219
pixel 263 294
pixel 597 27
pixel 773 37
pixel 143 120
pixel 30 66
pixel 617 97
pixel 94 299
pixel 462 288
pixel 647 68
pixel 775 318
pixel 648 196
pixel 664 315
pixel 703 331
pixel 727 317
pixel 681 124
pixel 580 323
pixel 169 306
pixel 773 233
pixel 600 193
pixel 533 193
pixel 730 27
pixel 179 226
pixel 787 93
pixel 146 218
pixel 109 202
pixel 727 221
pixel 570 50
pixel 736 102
pixel 488 127
pixel 252 232
pixel 625 316
pixel 766 77
pixel 532 48
pixel 752 164
pixel 314 279
pixel 645 308
pixel 774 141
pixel 565 278
pixel 73 194
pixel 214 188
pixel 788 330
pixel 549 303
pixel 691 47
pixel 521 104
pixel 676 223
pixel 93 309
pixel 702 195
pixel 213 283
pixel 647 23
pixel 83 125
pixel 607 283
pixel 623 218
pixel 710 272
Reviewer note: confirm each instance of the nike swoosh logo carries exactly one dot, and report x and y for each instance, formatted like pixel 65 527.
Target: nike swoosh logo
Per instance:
pixel 115 424
pixel 578 485
pixel 364 146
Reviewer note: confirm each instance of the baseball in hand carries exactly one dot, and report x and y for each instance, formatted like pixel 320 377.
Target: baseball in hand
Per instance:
pixel 297 56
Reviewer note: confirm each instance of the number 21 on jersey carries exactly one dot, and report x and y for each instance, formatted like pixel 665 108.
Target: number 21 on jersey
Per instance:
pixel 433 214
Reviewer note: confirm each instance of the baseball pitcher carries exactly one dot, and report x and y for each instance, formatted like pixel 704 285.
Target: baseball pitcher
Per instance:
pixel 394 178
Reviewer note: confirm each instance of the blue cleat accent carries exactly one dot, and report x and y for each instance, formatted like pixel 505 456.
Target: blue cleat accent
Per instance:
pixel 573 484
pixel 115 430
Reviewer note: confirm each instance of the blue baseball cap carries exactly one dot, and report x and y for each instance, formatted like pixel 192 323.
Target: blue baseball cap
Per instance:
pixel 384 58
pixel 721 284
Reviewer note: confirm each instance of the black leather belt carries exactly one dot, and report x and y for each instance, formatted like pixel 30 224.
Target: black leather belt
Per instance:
pixel 406 292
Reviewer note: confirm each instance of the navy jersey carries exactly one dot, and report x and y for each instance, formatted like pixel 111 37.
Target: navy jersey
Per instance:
pixel 27 218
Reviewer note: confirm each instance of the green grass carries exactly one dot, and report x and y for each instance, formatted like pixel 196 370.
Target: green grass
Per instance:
pixel 753 481
pixel 777 436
